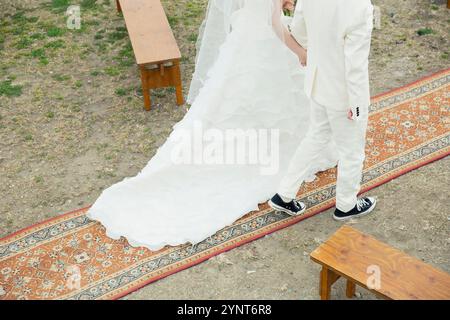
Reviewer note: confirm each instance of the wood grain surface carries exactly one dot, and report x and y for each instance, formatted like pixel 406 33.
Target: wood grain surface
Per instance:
pixel 150 33
pixel 351 254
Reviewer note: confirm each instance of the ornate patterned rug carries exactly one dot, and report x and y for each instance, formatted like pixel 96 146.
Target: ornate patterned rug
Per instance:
pixel 69 257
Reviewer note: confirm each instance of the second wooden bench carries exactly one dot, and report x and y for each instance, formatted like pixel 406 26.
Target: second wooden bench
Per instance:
pixel 386 271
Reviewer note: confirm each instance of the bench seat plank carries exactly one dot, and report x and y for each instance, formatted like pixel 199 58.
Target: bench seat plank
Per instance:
pixel 154 46
pixel 349 253
pixel 150 33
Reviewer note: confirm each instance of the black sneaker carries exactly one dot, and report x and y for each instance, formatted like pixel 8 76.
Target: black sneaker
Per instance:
pixel 363 206
pixel 293 208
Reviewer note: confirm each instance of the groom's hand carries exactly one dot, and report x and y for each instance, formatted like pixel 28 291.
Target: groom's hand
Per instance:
pixel 350 114
pixel 289 5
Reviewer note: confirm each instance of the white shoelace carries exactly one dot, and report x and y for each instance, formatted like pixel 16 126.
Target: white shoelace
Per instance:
pixel 298 203
pixel 361 204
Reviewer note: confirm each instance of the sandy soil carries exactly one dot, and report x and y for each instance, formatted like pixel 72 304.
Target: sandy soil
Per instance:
pixel 72 124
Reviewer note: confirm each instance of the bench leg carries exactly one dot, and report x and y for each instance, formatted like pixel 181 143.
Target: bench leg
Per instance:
pixel 351 289
pixel 327 278
pixel 119 8
pixel 145 88
pixel 180 99
pixel 178 84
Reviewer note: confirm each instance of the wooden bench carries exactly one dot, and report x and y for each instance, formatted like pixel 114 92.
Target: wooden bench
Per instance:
pixel 156 51
pixel 358 258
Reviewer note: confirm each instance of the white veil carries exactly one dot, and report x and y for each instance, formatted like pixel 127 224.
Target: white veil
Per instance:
pixel 213 33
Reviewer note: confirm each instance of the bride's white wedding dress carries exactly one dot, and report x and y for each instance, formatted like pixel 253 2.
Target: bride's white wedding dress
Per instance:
pixel 254 83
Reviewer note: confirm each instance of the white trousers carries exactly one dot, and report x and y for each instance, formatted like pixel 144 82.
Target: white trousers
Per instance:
pixel 349 136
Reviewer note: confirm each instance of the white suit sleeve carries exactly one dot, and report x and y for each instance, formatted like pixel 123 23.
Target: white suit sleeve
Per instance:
pixel 356 50
pixel 298 25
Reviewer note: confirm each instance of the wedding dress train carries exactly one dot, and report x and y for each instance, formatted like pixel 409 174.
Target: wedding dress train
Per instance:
pixel 254 86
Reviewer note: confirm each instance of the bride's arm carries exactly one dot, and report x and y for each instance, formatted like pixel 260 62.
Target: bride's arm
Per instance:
pixel 295 47
pixel 286 36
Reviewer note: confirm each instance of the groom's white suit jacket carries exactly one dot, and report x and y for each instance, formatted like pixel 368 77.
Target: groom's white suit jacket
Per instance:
pixel 337 35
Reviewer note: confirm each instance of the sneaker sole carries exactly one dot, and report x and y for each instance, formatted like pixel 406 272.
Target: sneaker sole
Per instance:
pixel 357 215
pixel 278 208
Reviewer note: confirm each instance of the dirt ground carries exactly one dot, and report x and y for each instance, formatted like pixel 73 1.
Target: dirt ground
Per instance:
pixel 72 124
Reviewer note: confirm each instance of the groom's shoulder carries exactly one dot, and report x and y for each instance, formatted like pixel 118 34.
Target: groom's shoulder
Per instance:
pixel 358 4
pixel 354 8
